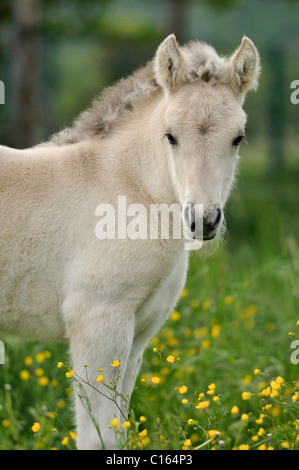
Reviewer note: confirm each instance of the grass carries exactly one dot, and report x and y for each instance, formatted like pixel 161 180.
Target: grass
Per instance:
pixel 231 333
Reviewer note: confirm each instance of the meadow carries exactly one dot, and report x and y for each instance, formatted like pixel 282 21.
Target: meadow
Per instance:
pixel 219 374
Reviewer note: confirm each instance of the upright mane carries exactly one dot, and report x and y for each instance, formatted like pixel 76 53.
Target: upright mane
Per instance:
pixel 118 101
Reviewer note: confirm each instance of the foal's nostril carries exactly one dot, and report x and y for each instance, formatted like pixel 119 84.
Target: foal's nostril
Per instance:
pixel 212 219
pixel 218 216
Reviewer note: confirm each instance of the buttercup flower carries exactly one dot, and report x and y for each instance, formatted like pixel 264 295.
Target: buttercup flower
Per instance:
pixel 246 395
pixel 114 423
pixel 155 380
pixel 115 363
pixel 35 427
pixel 69 374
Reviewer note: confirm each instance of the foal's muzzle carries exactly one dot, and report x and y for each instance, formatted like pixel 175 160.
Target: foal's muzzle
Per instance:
pixel 202 225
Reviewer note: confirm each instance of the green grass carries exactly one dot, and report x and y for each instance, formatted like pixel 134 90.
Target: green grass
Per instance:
pixel 235 316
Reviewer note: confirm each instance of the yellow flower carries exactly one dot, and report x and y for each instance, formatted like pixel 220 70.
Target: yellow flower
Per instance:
pixel 205 343
pixel 143 433
pixel 73 435
pixel 228 300
pixel 203 405
pixel 184 401
pixel 183 389
pixel 114 423
pixel 69 374
pixel 244 417
pixel 28 361
pixel 247 379
pixel 284 445
pixel 175 316
pixel 216 398
pixel 187 443
pixel 246 395
pixel 144 441
pixel 126 425
pixel 59 365
pixel 39 372
pixel 279 380
pixel 142 419
pixel 170 359
pixel 155 380
pixel 24 375
pixel 243 447
pixel 261 432
pixel 262 447
pixel 206 304
pixel 40 357
pixel 115 363
pixel 234 410
pixel 5 423
pixel 190 421
pixel 266 392
pixel 43 381
pixel 65 441
pixel 261 419
pixel 194 303
pixel 256 372
pixel 35 427
pixel 275 385
pixel 184 293
pixel 213 433
pixel 212 386
pixel 215 332
pixel 100 378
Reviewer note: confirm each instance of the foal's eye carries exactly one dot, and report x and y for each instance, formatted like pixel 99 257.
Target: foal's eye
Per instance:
pixel 238 140
pixel 171 139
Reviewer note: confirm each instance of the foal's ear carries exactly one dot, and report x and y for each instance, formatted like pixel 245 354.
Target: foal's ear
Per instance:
pixel 169 64
pixel 244 67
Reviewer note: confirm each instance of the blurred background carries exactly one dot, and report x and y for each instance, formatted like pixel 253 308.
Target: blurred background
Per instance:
pixel 56 55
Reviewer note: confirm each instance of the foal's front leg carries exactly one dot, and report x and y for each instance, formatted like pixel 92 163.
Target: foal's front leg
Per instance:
pixel 97 339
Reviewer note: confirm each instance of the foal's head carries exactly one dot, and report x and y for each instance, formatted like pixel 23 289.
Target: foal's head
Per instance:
pixel 204 124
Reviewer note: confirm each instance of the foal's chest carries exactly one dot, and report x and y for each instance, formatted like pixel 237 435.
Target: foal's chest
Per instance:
pixel 163 298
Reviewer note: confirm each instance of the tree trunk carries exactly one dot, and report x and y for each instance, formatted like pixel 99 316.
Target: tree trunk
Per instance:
pixel 178 18
pixel 26 89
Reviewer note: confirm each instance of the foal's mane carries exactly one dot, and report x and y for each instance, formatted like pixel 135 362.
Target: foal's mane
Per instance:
pixel 119 100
